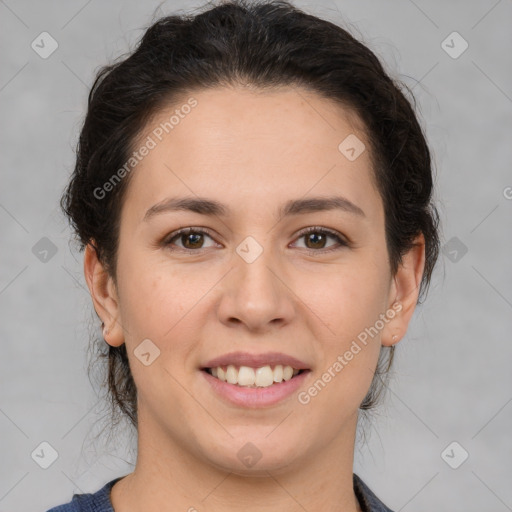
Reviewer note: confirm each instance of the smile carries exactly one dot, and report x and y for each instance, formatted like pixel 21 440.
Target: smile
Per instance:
pixel 245 376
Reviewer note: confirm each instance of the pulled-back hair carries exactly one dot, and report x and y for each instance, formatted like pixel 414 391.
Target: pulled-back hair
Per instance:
pixel 262 44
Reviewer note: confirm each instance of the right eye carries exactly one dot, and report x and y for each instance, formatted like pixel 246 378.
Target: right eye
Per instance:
pixel 191 238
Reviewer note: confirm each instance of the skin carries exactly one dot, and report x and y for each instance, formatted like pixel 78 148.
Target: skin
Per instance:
pixel 252 151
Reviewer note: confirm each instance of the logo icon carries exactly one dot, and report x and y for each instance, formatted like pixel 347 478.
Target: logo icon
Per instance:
pixel 454 249
pixel 44 250
pixel 249 455
pixel 454 455
pixel 351 147
pixel 249 249
pixel 44 45
pixel 146 352
pixel 454 45
pixel 44 455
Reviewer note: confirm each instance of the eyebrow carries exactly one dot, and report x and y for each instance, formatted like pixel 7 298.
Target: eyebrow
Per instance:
pixel 205 206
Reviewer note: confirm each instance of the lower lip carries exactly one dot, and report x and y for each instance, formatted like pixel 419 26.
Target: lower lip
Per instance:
pixel 256 397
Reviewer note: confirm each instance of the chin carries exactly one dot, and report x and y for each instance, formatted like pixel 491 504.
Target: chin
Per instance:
pixel 255 458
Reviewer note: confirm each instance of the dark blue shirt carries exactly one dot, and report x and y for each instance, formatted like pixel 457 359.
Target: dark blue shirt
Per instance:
pixel 100 500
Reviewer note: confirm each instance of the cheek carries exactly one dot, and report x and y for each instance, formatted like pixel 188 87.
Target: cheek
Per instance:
pixel 349 304
pixel 159 297
pixel 347 297
pixel 159 304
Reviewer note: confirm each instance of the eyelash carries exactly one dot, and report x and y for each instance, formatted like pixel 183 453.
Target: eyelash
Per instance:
pixel 314 229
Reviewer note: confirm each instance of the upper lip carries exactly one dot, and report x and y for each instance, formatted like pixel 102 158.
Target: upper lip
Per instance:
pixel 256 360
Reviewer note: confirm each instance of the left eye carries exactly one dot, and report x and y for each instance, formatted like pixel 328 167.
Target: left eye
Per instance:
pixel 192 239
pixel 318 236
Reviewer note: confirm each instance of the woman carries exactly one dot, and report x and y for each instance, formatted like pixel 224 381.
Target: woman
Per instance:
pixel 254 197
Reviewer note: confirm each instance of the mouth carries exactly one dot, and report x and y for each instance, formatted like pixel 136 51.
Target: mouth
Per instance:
pixel 249 377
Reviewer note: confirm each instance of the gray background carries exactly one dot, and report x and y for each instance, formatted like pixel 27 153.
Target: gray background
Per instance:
pixel 452 378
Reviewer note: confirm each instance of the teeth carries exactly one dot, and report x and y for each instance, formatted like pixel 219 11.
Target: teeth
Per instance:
pixel 246 376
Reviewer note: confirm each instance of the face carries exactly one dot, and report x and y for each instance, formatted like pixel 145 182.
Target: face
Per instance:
pixel 250 278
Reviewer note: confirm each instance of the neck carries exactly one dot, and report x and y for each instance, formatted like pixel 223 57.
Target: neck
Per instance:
pixel 168 477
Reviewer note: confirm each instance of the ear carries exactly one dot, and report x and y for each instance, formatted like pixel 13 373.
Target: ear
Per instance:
pixel 104 296
pixel 404 292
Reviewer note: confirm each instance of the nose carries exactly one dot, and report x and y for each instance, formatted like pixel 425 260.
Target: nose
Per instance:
pixel 256 295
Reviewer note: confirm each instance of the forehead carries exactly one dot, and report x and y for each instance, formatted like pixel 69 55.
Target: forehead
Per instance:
pixel 251 146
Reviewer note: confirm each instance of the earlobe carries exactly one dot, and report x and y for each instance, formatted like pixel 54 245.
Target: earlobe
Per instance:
pixel 104 296
pixel 404 291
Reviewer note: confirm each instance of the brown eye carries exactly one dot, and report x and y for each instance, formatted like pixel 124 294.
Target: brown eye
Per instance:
pixel 190 239
pixel 316 239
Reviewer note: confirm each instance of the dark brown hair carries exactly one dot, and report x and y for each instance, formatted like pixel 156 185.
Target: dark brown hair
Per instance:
pixel 264 44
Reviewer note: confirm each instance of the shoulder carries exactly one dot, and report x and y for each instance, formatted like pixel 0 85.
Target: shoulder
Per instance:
pixel 100 500
pixel 90 502
pixel 367 499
